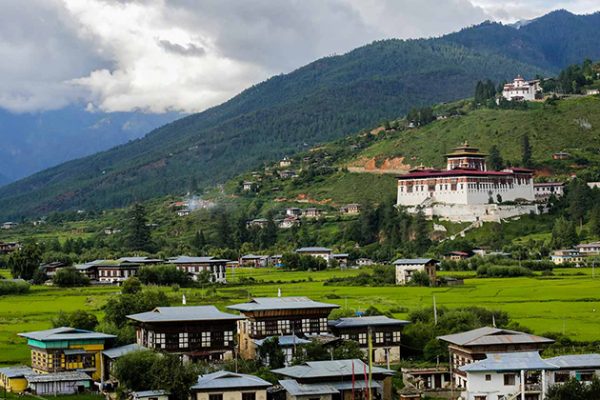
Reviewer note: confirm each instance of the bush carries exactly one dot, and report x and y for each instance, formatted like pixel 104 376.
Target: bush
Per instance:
pixel 497 271
pixel 13 287
pixel 164 275
pixel 79 319
pixel 70 277
pixel 420 278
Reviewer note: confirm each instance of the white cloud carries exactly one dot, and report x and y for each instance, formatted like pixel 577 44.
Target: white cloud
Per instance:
pixel 187 55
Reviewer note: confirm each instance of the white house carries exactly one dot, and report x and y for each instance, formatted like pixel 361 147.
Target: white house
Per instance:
pixel 520 89
pixel 589 248
pixel 543 190
pixel 406 267
pixel 571 256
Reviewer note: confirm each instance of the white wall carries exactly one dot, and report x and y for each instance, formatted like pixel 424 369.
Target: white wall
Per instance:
pixel 478 386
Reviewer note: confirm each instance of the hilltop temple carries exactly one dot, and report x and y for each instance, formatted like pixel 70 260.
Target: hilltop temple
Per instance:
pixel 466 190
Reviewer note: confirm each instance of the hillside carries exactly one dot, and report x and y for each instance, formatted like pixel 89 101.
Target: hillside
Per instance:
pixel 322 101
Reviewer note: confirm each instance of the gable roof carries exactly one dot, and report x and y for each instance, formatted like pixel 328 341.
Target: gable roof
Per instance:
pixel 313 250
pixel 228 380
pixel 284 340
pixel 193 260
pixel 67 376
pixel 328 369
pixel 117 352
pixel 486 336
pixel 65 333
pixel 192 313
pixel 16 371
pixel 375 320
pixel 517 361
pixel 280 303
pixel 299 389
pixel 575 361
pixel 414 261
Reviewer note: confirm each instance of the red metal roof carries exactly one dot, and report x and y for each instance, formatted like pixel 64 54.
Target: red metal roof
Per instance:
pixel 433 173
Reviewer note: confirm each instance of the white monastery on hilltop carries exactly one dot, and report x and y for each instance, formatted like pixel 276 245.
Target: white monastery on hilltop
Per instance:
pixel 466 190
pixel 520 89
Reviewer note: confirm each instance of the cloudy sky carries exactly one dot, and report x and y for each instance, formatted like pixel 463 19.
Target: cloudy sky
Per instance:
pixel 187 55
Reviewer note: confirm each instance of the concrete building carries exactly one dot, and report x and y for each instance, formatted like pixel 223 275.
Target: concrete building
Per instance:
pixel 406 267
pixel 567 256
pixel 224 385
pixel 13 378
pixel 544 190
pixel 194 266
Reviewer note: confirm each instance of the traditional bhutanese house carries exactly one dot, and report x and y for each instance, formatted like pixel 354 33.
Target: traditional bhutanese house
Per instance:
pixel 50 268
pixel 8 247
pixel 254 261
pixel 589 248
pixel 140 260
pixel 567 256
pixel 288 174
pixel 278 316
pixel 293 212
pixel 425 379
pixel 385 335
pixel 468 347
pixel 150 395
pixel 298 391
pixel 13 378
pixel 544 190
pixel 350 209
pixel 55 383
pixel 247 186
pixel 561 155
pixel 257 223
pixel 67 349
pixel 110 356
pixel 456 255
pixel 520 89
pixel 345 376
pixel 312 213
pixel 90 269
pixel 289 345
pixel 288 222
pixel 581 367
pixel 225 385
pixel 285 162
pixel 322 252
pixel 114 271
pixel 406 267
pixel 363 262
pixel 194 266
pixel 197 333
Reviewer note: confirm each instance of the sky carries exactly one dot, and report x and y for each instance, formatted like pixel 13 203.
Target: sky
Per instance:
pixel 187 55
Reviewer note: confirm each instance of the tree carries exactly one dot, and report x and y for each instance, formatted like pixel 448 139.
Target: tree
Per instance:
pixel 495 159
pixel 420 278
pixel 270 353
pixel 79 319
pixel 348 350
pixel 575 390
pixel 526 151
pixel 24 262
pixel 70 277
pixel 595 220
pixel 223 230
pixel 564 234
pixel 199 242
pixel 132 285
pixel 117 308
pixel 138 232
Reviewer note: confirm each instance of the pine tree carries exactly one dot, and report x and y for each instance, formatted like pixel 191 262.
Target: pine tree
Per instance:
pixel 198 242
pixel 526 151
pixel 138 232
pixel 495 159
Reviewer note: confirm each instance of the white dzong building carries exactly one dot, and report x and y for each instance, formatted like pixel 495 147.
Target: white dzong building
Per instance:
pixel 520 89
pixel 466 190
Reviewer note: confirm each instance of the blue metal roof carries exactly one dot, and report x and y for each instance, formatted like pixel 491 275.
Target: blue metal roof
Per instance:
pixel 328 369
pixel 280 303
pixel 414 261
pixel 284 340
pixel 65 333
pixel 117 352
pixel 576 361
pixel 517 361
pixel 299 389
pixel 228 380
pixel 16 371
pixel 192 313
pixel 357 322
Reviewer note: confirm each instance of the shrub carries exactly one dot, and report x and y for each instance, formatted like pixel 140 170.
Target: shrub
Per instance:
pixel 13 287
pixel 498 271
pixel 70 277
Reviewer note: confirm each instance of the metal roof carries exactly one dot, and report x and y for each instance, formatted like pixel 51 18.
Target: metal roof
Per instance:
pixel 376 320
pixel 65 333
pixel 576 361
pixel 16 371
pixel 193 260
pixel 280 303
pixel 150 393
pixel 490 336
pixel 313 250
pixel 140 260
pixel 192 313
pixel 228 380
pixel 117 352
pixel 523 360
pixel 284 340
pixel 300 389
pixel 58 377
pixel 413 261
pixel 325 369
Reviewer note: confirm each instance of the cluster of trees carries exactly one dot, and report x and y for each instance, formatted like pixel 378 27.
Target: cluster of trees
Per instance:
pixel 575 390
pixel 12 287
pixel 299 262
pixel 485 91
pixel 420 116
pixel 70 277
pixel 168 275
pixel 502 271
pixel 573 78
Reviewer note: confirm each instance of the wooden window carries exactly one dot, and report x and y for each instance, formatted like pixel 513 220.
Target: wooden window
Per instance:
pixel 378 337
pixel 227 337
pixel 362 338
pixel 509 379
pixel 160 341
pixel 396 336
pixel 323 324
pixel 488 377
pixel 206 339
pixel 561 377
pixel 183 340
pixel 306 325
pixel 215 396
pixel 249 396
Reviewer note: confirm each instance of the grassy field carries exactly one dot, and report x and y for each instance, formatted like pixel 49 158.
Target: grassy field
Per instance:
pixel 569 301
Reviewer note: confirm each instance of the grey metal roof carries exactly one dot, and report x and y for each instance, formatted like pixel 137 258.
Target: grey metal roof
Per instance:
pixel 358 384
pixel 74 352
pixel 193 260
pixel 284 340
pixel 253 257
pixel 313 250
pixel 117 352
pixel 357 322
pixel 299 389
pixel 523 360
pixel 192 313
pixel 16 371
pixel 65 333
pixel 150 393
pixel 576 361
pixel 228 380
pixel 490 336
pixel 280 303
pixel 326 369
pixel 58 377
pixel 413 261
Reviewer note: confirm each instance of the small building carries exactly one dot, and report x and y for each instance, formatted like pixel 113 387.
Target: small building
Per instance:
pixel 257 223
pixel 342 375
pixel 520 89
pixel 364 262
pixel 299 391
pixel 456 255
pixel 9 225
pixel 54 383
pixel 544 190
pixel 293 212
pixel 589 249
pixel 582 367
pixel 474 345
pixel 424 379
pixel 9 247
pixel 322 252
pixel 279 316
pixel 288 222
pixel 225 385
pixel 194 266
pixel 67 349
pixel 341 259
pixel 561 155
pixel 111 231
pixel 350 209
pixel 312 212
pixel 248 186
pixel 385 331
pixel 275 260
pixel 406 267
pixel 151 395
pixel 285 162
pixel 254 261
pixel 197 333
pixel 288 174
pixel 567 256
pixel 13 378
pixel 51 268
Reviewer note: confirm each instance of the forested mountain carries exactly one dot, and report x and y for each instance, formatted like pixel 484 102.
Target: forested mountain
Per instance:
pixel 328 98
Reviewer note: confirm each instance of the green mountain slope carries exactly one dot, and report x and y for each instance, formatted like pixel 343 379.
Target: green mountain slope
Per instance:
pixel 288 113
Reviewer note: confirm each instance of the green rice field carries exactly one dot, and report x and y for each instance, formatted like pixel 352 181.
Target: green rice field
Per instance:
pixel 567 302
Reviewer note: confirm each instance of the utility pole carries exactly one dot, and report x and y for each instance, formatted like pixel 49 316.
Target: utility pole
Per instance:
pixel 435 316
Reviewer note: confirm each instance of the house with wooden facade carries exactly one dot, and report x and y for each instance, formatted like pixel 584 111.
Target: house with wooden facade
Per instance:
pixel 197 333
pixel 254 261
pixel 279 316
pixel 385 335
pixel 406 267
pixel 66 350
pixel 474 345
pixel 9 247
pixel 225 385
pixel 194 266
pixel 114 271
